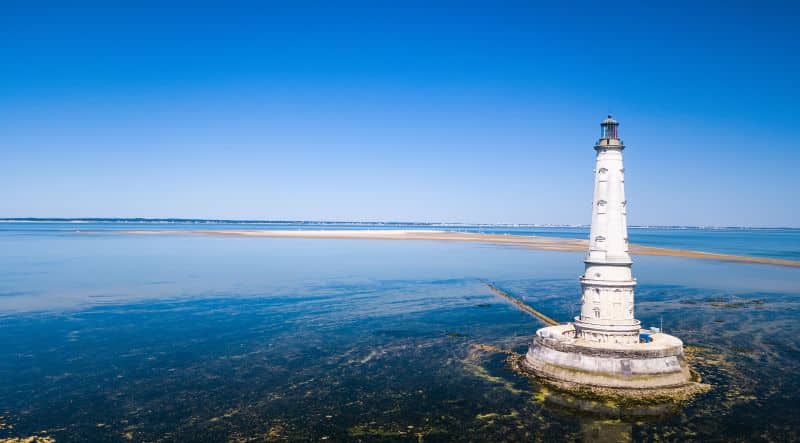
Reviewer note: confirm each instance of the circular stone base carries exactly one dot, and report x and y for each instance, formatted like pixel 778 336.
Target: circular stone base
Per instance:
pixel 555 354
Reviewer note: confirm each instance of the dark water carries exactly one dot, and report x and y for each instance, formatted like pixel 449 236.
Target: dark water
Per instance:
pixel 109 337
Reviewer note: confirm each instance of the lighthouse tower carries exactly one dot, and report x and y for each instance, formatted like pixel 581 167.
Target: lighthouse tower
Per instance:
pixel 605 347
pixel 607 297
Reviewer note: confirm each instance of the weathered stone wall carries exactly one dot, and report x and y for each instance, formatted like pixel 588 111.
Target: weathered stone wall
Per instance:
pixel 615 368
pixel 593 351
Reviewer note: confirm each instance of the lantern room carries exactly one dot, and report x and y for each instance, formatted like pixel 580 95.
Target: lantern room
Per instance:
pixel 609 128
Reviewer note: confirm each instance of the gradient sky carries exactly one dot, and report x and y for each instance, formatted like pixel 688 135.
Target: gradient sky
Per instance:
pixel 429 111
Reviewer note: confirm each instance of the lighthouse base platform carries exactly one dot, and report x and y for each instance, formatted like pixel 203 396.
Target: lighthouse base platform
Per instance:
pixel 633 370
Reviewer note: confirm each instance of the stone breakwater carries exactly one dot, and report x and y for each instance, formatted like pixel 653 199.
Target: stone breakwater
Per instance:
pixel 531 242
pixel 524 307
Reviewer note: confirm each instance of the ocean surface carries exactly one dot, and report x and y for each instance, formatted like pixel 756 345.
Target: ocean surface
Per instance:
pixel 114 337
pixel 781 243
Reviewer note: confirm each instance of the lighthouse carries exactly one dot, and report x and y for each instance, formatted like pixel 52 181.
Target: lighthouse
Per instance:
pixel 607 314
pixel 605 346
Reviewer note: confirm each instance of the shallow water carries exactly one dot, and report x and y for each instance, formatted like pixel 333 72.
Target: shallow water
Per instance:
pixel 763 242
pixel 110 337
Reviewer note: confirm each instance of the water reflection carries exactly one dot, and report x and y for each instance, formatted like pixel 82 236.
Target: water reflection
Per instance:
pixel 605 431
pixel 600 410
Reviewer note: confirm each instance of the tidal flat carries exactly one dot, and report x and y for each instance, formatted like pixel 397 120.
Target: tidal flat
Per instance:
pixel 176 338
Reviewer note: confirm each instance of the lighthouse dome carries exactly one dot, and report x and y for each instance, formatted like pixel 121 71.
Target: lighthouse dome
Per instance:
pixel 609 121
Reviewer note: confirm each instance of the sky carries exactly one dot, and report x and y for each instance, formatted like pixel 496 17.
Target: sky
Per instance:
pixel 474 112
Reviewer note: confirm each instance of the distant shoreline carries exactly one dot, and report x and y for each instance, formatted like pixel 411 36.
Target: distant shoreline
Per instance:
pixel 398 224
pixel 530 242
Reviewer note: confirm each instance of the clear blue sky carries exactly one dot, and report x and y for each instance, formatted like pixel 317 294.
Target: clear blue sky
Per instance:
pixel 429 111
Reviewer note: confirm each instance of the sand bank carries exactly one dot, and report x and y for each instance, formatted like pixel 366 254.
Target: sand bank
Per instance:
pixel 531 242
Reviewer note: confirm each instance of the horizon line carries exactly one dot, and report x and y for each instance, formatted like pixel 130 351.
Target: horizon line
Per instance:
pixel 359 222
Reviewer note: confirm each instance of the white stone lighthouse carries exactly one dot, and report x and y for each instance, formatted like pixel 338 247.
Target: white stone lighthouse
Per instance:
pixel 607 302
pixel 605 347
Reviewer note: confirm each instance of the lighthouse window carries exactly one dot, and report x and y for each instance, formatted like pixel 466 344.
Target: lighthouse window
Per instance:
pixel 599 239
pixel 596 312
pixel 601 207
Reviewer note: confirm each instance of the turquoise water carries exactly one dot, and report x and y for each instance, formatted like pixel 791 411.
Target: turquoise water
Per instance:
pixel 114 337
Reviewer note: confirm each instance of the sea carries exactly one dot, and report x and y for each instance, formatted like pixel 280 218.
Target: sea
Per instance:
pixel 108 336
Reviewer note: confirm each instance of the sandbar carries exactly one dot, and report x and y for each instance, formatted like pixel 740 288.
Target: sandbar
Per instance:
pixel 525 241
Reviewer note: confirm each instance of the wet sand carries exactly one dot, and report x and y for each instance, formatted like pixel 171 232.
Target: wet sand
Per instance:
pixel 531 242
